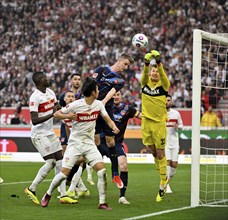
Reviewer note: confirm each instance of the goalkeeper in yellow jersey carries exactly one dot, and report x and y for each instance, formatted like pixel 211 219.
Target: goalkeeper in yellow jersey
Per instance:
pixel 155 85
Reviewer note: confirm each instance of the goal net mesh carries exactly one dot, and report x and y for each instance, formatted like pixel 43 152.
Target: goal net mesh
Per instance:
pixel 214 134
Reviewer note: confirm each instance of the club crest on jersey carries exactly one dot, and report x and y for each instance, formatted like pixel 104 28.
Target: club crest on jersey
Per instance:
pixel 67 159
pixel 118 117
pixel 122 113
pixel 95 75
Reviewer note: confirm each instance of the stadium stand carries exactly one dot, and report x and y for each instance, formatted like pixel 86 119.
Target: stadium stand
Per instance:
pixel 65 36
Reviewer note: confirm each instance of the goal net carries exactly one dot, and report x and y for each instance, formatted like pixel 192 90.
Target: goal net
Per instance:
pixel 209 171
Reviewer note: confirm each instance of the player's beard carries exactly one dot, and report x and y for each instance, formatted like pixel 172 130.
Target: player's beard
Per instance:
pixel 76 87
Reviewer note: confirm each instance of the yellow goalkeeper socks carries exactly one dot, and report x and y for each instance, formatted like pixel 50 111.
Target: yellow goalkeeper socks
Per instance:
pixel 163 170
pixel 156 164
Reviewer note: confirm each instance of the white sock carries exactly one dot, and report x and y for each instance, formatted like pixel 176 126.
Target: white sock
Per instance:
pixel 42 173
pixel 75 180
pixel 56 182
pixel 168 171
pixel 89 171
pixel 62 187
pixel 81 185
pixel 102 185
pixel 172 172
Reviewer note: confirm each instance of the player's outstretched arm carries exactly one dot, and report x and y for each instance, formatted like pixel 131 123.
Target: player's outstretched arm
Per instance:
pixel 164 78
pixel 146 69
pixel 109 95
pixel 111 124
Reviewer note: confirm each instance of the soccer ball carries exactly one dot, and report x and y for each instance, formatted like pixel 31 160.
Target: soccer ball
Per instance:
pixel 140 41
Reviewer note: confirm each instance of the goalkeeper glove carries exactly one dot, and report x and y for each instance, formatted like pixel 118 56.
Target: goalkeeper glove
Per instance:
pixel 153 54
pixel 148 58
pixel 156 56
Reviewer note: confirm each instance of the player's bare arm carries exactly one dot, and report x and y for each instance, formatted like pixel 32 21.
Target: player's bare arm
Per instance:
pixel 61 116
pixel 37 120
pixel 111 124
pixel 109 95
pixel 57 107
pixel 138 115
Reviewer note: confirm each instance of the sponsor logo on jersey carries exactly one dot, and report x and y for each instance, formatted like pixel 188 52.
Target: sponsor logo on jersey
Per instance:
pixel 87 116
pixel 171 122
pixel 46 106
pixel 159 91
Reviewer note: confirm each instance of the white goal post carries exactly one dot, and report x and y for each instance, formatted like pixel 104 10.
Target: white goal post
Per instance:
pixel 198 37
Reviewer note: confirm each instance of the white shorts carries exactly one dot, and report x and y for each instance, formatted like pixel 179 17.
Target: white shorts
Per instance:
pixel 172 154
pixel 46 145
pixel 76 149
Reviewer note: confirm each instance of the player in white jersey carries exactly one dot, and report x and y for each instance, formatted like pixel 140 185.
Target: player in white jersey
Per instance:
pixel 75 80
pixel 173 124
pixel 84 113
pixel 76 180
pixel 42 105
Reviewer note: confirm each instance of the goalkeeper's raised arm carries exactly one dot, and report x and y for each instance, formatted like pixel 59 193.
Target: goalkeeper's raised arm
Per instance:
pixel 146 70
pixel 155 85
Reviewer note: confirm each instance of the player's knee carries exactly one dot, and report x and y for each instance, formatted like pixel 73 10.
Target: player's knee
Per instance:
pixel 102 172
pixel 174 164
pixel 123 167
pixel 65 173
pixel 110 140
pixel 111 143
pixel 160 154
pixel 51 163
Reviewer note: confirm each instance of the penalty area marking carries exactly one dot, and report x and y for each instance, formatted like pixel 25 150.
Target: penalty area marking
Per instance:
pixel 158 213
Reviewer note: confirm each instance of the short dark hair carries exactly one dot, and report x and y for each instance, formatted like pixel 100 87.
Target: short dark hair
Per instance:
pixel 37 76
pixel 67 92
pixel 126 56
pixel 75 74
pixel 155 65
pixel 88 86
pixel 168 95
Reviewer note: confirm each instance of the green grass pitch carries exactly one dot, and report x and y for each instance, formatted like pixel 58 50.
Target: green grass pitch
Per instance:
pixel 141 192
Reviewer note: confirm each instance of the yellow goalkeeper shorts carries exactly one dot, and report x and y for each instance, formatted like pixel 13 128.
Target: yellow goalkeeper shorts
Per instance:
pixel 154 133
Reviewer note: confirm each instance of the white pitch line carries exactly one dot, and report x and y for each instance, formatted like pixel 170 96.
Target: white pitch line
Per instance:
pixel 158 213
pixel 14 183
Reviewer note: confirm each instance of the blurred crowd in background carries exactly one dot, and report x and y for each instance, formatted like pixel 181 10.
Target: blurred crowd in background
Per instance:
pixel 62 37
